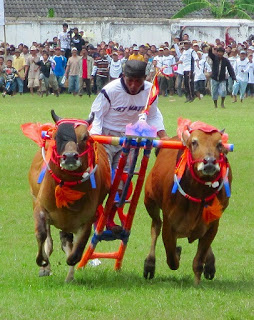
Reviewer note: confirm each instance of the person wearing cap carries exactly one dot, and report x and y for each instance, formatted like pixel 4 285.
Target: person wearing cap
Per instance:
pixel 136 55
pixel 115 67
pixel 218 77
pixel 59 68
pixel 64 40
pixel 32 70
pixel 188 59
pixel 72 71
pixel 119 103
pixel 19 64
pixel 242 73
pixel 86 67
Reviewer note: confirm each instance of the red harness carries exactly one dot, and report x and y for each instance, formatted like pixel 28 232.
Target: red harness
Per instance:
pixel 90 150
pixel 186 160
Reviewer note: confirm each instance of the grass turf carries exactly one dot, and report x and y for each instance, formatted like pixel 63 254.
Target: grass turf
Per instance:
pixel 101 292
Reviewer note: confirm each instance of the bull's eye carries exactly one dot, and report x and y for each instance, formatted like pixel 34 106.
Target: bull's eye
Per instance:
pixel 219 146
pixel 194 143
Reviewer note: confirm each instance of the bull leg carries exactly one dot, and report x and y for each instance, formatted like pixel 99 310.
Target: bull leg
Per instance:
pixel 209 269
pixel 67 245
pixel 80 242
pixel 41 235
pixel 154 212
pixel 172 251
pixel 48 248
pixel 205 255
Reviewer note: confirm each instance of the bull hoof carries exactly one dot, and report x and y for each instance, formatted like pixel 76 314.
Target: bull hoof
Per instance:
pixel 209 272
pixel 44 272
pixel 73 260
pixel 149 268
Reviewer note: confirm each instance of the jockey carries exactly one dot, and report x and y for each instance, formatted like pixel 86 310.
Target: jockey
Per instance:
pixel 119 103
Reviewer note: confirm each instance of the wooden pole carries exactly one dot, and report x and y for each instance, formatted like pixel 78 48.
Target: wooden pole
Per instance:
pixel 5 49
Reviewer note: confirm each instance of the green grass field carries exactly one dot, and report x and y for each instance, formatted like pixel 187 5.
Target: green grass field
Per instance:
pixel 102 293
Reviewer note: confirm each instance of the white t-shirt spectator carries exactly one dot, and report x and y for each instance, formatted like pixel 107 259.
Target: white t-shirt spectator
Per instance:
pixel 158 60
pixel 251 72
pixel 115 69
pixel 166 64
pixel 200 72
pixel 65 40
pixel 241 70
pixel 186 57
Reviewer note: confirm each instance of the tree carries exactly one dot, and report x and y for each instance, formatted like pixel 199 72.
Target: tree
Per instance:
pixel 219 8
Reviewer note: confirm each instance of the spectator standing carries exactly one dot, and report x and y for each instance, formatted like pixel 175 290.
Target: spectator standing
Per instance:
pixel 64 40
pixel 115 67
pixel 10 74
pixel 86 67
pixel 73 71
pixel 45 67
pixel 60 65
pixel 242 72
pixel 232 57
pixel 76 40
pixel 218 77
pixel 101 70
pixel 167 81
pixel 1 72
pixel 19 65
pixel 250 87
pixel 188 58
pixel 136 55
pixel 32 70
pixel 179 77
pixel 199 77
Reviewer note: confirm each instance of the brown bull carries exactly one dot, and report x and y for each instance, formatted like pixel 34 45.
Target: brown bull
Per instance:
pixel 193 211
pixel 65 198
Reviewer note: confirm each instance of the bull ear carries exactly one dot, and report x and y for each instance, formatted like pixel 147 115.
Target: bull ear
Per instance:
pixel 185 137
pixel 90 119
pixel 54 116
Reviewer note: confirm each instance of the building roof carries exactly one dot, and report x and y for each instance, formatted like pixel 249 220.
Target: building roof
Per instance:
pixel 153 9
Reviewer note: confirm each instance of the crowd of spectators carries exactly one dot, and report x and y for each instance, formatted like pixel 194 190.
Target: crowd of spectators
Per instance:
pixel 70 63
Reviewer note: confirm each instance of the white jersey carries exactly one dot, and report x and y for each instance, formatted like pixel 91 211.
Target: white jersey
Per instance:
pixel 186 57
pixel 200 71
pixel 114 108
pixel 65 40
pixel 241 69
pixel 115 68
pixel 159 60
pixel 167 61
pixel 251 72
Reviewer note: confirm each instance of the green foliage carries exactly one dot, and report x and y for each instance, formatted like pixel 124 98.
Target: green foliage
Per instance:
pixel 102 293
pixel 218 8
pixel 51 13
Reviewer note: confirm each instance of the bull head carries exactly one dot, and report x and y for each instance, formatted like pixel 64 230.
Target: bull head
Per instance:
pixel 206 149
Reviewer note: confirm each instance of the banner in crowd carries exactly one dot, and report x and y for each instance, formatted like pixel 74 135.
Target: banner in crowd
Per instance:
pixel 2 13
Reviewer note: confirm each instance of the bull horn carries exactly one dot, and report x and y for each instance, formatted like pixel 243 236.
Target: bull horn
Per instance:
pixel 90 119
pixel 222 131
pixel 54 116
pixel 188 128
